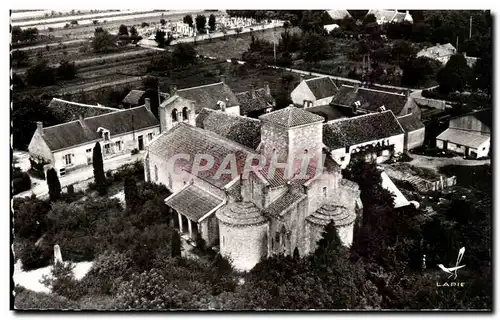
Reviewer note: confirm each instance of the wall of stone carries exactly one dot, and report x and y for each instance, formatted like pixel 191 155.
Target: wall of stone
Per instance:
pixel 308 137
pixel 416 138
pixel 244 246
pixel 274 139
pixel 39 148
pixel 210 230
pixel 253 190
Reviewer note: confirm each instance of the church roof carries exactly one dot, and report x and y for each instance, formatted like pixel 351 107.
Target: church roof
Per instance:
pixel 186 139
pixel 207 96
pixel 370 99
pixel 341 216
pixel 352 131
pixel 322 87
pixel 192 202
pixel 260 101
pixel 243 130
pixel 78 132
pixel 281 205
pixel 240 213
pixel 291 117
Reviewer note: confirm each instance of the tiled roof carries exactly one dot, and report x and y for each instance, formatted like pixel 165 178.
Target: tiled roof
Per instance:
pixel 261 101
pixel 338 14
pixel 410 122
pixel 369 99
pixel 463 138
pixel 241 214
pixel 399 17
pixel 341 216
pixel 280 206
pixel 327 111
pixel 193 202
pixel 485 116
pixel 243 130
pixel 68 111
pixel 291 117
pixel 186 139
pixel 399 199
pixel 322 87
pixel 437 51
pixel 133 97
pixel 73 133
pixel 207 96
pixel 432 103
pixel 352 131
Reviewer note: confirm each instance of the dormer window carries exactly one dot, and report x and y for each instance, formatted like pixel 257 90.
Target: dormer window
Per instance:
pixel 104 133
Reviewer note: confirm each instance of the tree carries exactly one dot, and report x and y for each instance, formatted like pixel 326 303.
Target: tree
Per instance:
pixel 66 70
pixel 41 75
pixel 188 19
pixel 54 185
pixel 454 75
pixel 482 72
pixel 20 58
pixel 17 34
pixel 184 54
pixel 30 34
pixel 160 38
pixel 419 71
pixel 328 246
pixel 163 22
pixel 201 21
pixel 211 22
pixel 122 30
pixel 131 193
pixel 133 32
pixel 314 47
pixel 98 165
pixel 103 41
pixel 176 245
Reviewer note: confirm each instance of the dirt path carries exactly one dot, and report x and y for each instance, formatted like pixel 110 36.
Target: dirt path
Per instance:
pixel 436 162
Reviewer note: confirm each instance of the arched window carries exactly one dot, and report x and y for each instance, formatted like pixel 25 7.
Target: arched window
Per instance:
pixel 185 113
pixel 174 115
pixel 305 151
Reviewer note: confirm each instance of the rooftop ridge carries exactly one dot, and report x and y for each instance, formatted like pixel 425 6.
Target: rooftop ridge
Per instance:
pixel 83 105
pixel 375 90
pixel 360 116
pixel 204 85
pixel 236 116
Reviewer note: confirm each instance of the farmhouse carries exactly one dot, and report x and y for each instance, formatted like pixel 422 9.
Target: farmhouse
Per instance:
pixel 210 96
pixel 468 134
pixel 390 16
pixel 249 217
pixel 414 131
pixel 338 14
pixel 314 92
pixel 68 146
pixel 364 100
pixel 439 52
pixel 373 136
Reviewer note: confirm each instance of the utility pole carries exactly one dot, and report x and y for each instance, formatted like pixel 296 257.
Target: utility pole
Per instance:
pixel 470 27
pixel 457 44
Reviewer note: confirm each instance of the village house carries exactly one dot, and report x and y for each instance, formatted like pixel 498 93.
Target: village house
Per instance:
pixel 134 98
pixel 338 14
pixel 256 102
pixel 69 146
pixel 66 111
pixel 314 92
pixel 414 131
pixel 439 52
pixel 360 100
pixel 390 16
pixel 252 217
pixel 469 135
pixel 373 136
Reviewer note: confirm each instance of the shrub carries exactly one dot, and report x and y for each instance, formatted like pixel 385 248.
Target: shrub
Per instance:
pixel 35 257
pixel 20 181
pixel 29 300
pixel 134 151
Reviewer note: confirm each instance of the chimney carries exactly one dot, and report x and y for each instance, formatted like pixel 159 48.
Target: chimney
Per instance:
pixel 81 118
pixel 252 91
pixel 222 106
pixel 147 104
pixel 39 127
pixel 266 87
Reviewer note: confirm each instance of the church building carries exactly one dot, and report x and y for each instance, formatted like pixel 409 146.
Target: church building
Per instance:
pixel 257 213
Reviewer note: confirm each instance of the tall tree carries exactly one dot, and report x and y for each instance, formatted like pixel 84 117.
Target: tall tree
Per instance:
pixel 211 22
pixel 160 38
pixel 103 41
pixel 123 31
pixel 131 192
pixel 133 31
pixel 176 244
pixel 53 184
pixel 201 21
pixel 454 75
pixel 97 163
pixel 188 19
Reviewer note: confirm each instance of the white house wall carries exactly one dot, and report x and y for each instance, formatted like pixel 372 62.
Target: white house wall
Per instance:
pixel 301 93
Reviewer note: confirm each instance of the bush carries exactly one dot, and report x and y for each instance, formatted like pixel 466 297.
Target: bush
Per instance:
pixel 20 181
pixel 35 257
pixel 29 300
pixel 134 151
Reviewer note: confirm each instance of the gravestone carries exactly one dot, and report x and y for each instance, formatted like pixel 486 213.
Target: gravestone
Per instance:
pixel 57 254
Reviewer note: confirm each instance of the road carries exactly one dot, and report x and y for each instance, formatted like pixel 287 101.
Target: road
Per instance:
pixel 437 162
pixel 40 188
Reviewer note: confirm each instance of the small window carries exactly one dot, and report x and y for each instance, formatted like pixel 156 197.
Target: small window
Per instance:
pixel 62 172
pixel 88 150
pixel 150 136
pixel 174 115
pixel 347 149
pixel 185 113
pixel 306 151
pixel 342 158
pixel 324 192
pixel 106 136
pixel 67 159
pixel 118 145
pixel 107 148
pixel 379 153
pixel 484 148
